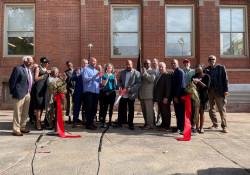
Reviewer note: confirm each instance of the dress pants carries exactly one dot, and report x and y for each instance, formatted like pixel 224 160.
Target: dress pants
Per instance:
pixel 78 102
pixel 221 104
pixel 69 106
pixel 165 112
pixel 179 109
pixel 21 112
pixel 90 101
pixel 147 106
pixel 122 111
pixel 109 101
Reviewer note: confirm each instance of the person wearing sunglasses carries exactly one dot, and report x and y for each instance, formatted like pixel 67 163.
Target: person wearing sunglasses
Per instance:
pixel 217 92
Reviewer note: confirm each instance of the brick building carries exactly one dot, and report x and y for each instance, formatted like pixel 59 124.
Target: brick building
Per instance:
pixel 61 30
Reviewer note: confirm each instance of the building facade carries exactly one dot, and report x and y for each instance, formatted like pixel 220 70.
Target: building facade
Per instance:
pixel 165 29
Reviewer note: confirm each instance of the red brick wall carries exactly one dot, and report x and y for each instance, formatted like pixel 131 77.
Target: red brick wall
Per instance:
pixel 63 30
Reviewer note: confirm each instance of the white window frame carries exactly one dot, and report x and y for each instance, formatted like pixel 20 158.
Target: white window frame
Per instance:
pixel 5 39
pixel 121 6
pixel 192 33
pixel 244 7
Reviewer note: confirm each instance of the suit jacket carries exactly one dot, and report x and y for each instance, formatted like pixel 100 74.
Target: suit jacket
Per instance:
pixel 162 87
pixel 134 82
pixel 78 81
pixel 147 87
pixel 178 83
pixel 19 82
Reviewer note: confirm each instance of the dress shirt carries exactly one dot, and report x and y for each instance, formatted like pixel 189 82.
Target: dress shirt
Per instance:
pixel 91 83
pixel 128 74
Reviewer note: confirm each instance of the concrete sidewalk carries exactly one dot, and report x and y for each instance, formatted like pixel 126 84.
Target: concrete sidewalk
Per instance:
pixel 128 152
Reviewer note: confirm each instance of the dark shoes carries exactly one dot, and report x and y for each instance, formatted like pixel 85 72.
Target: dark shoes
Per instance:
pixel 74 125
pixel 92 127
pixel 25 131
pixel 131 127
pixel 84 122
pixel 17 134
pixel 104 125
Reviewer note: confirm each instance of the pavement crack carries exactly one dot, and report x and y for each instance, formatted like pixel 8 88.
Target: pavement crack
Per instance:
pixel 245 169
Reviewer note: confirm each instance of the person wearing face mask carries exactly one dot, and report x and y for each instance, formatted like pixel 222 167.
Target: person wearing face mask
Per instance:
pixel 202 82
pixel 129 80
pixel 217 92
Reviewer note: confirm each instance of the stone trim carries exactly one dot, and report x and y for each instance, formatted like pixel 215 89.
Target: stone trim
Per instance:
pixel 217 2
pixel 145 2
pixel 105 2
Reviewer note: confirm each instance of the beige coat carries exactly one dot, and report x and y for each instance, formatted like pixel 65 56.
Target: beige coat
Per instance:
pixel 147 88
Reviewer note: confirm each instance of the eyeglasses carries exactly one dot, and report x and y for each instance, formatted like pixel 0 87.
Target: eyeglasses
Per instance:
pixel 145 63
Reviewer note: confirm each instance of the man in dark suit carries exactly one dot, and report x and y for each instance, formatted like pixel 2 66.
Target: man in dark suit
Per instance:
pixel 178 90
pixel 130 81
pixel 78 93
pixel 20 84
pixel 162 95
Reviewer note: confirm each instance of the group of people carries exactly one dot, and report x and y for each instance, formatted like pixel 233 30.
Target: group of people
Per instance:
pixel 34 86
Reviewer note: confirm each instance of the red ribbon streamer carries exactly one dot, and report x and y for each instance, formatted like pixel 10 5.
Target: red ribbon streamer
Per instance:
pixel 188 112
pixel 122 92
pixel 60 125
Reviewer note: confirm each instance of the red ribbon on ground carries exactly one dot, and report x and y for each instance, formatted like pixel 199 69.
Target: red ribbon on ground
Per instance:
pixel 188 112
pixel 60 125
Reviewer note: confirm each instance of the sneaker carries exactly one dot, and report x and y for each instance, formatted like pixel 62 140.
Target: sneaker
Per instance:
pixel 224 130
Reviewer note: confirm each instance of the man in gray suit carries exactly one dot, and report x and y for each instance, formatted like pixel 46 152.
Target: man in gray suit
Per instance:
pixel 146 94
pixel 130 81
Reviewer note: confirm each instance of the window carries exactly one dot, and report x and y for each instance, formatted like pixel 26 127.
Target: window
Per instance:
pixel 19 30
pixel 179 31
pixel 232 31
pixel 125 31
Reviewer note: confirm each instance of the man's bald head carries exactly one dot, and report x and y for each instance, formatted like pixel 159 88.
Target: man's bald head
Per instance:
pixel 92 62
pixel 129 65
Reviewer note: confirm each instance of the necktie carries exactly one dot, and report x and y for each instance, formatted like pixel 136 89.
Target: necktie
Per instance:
pixel 29 80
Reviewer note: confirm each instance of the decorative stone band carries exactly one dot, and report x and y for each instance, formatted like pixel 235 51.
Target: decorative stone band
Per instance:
pixel 106 2
pixel 201 2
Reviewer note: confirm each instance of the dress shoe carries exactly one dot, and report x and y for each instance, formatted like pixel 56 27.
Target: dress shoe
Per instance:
pixel 17 134
pixel 94 126
pixel 25 131
pixel 84 122
pixel 163 129
pixel 175 130
pixel 104 125
pixel 111 124
pixel 91 127
pixel 146 128
pixel 74 125
pixel 131 127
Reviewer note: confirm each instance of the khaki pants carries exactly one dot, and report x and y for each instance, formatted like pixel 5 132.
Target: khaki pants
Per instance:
pixel 221 105
pixel 148 112
pixel 21 112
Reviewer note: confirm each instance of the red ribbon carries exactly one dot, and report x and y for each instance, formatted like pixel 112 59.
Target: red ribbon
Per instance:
pixel 60 125
pixel 122 92
pixel 188 112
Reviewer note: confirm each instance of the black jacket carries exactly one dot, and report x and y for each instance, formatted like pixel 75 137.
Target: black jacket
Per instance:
pixel 220 80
